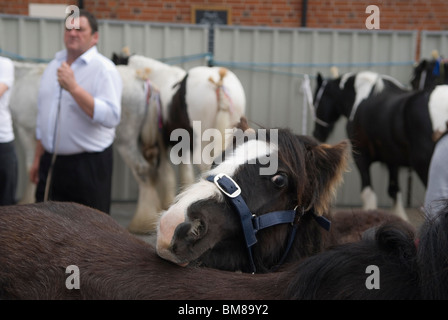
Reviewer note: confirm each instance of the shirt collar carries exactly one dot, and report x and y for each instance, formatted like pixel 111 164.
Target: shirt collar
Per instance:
pixel 86 57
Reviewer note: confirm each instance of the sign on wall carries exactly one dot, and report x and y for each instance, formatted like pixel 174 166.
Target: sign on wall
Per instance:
pixel 211 15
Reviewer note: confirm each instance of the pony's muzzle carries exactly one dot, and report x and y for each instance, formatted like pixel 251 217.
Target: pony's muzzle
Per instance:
pixel 165 233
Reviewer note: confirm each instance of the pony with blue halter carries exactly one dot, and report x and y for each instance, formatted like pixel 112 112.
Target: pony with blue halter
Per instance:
pixel 251 223
pixel 237 218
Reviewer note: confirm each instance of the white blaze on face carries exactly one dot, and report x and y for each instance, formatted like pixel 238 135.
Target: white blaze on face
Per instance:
pixel 176 214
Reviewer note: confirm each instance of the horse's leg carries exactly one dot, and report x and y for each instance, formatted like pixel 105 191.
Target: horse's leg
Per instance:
pixel 201 151
pixel 26 137
pixel 166 178
pixel 186 174
pixel 148 204
pixel 420 162
pixel 394 192
pixel 166 184
pixel 368 196
pixel 148 209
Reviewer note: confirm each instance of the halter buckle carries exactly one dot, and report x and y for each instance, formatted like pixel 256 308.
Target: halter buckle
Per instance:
pixel 235 193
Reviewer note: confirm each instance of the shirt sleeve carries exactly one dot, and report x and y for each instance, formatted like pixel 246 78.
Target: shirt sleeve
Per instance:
pixel 7 72
pixel 107 109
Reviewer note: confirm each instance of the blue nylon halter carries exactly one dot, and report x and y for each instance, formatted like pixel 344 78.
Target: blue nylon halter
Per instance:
pixel 251 223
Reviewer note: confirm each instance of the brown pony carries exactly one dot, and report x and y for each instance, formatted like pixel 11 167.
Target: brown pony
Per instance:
pixel 41 243
pixel 69 251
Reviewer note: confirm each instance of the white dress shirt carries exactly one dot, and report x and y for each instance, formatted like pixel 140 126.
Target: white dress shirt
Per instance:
pixel 437 190
pixel 6 77
pixel 77 132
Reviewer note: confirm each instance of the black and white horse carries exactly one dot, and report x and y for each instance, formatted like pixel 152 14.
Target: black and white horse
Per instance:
pixel 385 123
pixel 238 217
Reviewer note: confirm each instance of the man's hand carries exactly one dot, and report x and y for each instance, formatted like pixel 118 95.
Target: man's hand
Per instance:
pixel 66 77
pixel 67 81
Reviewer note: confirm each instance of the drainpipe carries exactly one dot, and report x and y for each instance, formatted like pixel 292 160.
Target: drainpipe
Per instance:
pixel 81 4
pixel 304 13
pixel 211 44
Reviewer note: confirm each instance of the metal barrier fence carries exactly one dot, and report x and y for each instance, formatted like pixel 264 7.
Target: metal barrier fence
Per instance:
pixel 434 40
pixel 270 62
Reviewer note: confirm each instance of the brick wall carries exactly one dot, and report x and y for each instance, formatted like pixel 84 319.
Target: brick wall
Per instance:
pixel 394 14
pixel 249 12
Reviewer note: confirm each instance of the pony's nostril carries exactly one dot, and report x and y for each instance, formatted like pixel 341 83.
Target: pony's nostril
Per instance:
pixel 197 229
pixel 189 232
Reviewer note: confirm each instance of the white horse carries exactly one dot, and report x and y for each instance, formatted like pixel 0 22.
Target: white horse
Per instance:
pixel 213 97
pixel 140 144
pixel 211 94
pixel 23 105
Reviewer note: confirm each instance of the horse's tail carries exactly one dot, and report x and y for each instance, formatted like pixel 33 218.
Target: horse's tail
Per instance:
pixel 224 105
pixel 151 123
pixel 433 254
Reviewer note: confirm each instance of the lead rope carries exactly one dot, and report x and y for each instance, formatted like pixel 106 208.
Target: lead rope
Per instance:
pixel 55 145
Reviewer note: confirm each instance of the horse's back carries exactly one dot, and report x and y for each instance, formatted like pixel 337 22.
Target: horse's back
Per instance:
pixel 201 94
pixel 51 224
pixel 438 108
pixel 163 75
pixel 38 242
pixel 349 225
pixel 381 266
pixel 380 126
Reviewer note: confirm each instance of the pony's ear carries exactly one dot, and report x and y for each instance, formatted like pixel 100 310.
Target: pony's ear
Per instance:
pixel 325 169
pixel 422 65
pixel 320 79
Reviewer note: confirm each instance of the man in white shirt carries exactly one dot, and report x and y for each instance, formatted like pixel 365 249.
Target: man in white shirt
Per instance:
pixel 79 107
pixel 8 157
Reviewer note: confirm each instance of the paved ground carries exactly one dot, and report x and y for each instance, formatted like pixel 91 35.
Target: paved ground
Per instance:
pixel 122 212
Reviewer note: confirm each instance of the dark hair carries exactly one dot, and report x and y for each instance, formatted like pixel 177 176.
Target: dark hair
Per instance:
pixel 91 18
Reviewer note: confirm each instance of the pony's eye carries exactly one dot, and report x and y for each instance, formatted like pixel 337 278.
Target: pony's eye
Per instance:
pixel 280 180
